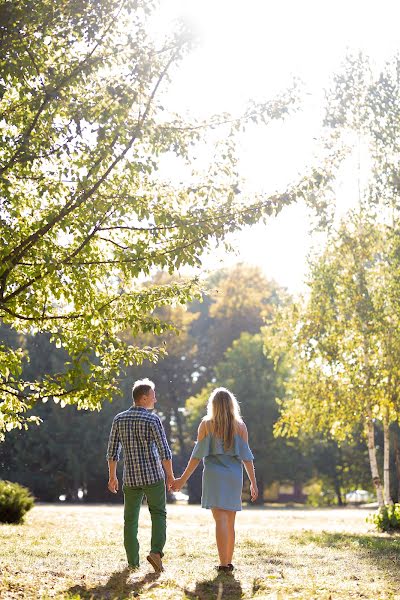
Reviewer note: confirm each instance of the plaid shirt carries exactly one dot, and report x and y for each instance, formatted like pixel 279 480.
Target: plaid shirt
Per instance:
pixel 141 435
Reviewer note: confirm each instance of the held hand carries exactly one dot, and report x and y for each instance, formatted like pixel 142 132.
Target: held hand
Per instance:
pixel 169 483
pixel 253 492
pixel 113 485
pixel 178 484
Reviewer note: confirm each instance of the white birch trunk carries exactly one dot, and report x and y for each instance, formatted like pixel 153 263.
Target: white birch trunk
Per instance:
pixel 386 459
pixel 373 462
pixel 397 462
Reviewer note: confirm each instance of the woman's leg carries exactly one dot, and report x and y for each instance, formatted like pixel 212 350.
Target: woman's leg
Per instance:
pixel 221 534
pixel 231 534
pixel 224 533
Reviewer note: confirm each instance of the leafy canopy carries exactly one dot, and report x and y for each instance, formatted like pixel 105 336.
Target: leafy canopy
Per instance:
pixel 85 214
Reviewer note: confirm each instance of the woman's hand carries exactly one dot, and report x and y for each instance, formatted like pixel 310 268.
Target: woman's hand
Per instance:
pixel 178 484
pixel 253 491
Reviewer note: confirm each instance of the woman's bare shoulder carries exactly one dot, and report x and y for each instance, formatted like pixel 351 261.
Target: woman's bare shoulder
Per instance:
pixel 242 430
pixel 203 430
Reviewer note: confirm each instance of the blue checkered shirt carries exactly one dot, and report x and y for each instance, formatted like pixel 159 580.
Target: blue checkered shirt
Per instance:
pixel 141 436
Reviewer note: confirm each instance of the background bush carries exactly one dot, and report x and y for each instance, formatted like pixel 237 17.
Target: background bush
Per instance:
pixel 387 518
pixel 15 501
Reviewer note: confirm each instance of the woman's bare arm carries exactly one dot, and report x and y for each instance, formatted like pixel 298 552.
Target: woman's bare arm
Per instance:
pixel 193 462
pixel 249 465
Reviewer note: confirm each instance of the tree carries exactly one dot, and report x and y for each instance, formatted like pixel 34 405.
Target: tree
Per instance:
pixel 344 355
pixel 348 369
pixel 341 467
pixel 236 300
pixel 84 212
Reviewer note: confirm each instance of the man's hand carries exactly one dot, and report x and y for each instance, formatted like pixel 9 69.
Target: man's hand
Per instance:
pixel 170 482
pixel 113 485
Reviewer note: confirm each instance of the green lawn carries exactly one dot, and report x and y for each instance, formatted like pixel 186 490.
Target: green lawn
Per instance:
pixel 76 552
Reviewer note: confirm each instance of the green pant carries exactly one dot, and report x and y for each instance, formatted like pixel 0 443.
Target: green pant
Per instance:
pixel 133 496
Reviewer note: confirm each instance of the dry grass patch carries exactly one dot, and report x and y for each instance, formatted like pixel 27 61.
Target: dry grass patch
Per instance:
pixel 76 552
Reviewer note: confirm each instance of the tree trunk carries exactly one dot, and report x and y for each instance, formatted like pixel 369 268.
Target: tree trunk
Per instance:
pixel 338 492
pixel 373 462
pixel 397 462
pixel 386 459
pixel 337 482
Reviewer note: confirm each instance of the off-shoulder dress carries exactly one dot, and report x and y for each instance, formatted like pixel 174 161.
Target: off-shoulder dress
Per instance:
pixel 223 471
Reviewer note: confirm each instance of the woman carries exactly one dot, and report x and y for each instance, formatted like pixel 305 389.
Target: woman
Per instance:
pixel 222 442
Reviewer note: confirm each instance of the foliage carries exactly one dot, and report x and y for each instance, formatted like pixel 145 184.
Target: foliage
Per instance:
pixel 317 495
pixel 344 341
pixel 336 468
pixel 85 212
pixel 15 501
pixel 387 518
pixel 363 106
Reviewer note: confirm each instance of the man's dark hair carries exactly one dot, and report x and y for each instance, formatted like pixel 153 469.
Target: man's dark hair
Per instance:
pixel 141 387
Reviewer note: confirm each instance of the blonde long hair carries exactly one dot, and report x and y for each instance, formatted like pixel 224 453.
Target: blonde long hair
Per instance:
pixel 223 414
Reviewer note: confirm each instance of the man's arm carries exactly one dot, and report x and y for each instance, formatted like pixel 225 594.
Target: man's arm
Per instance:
pixel 164 451
pixel 113 454
pixel 112 476
pixel 169 472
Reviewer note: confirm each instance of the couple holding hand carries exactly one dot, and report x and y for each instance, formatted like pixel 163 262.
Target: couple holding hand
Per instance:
pixel 222 441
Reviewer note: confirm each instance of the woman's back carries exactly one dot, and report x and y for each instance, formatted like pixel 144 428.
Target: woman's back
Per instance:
pixel 223 472
pixel 207 427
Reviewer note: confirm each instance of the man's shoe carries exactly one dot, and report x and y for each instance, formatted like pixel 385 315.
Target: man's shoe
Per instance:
pixel 156 562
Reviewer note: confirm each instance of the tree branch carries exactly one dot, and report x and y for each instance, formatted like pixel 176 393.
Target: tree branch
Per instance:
pixel 14 256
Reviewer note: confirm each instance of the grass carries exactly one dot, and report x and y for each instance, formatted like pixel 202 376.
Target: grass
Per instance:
pixel 76 552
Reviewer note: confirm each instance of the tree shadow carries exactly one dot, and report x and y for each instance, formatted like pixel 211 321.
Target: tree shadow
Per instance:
pixel 117 586
pixel 223 587
pixel 382 552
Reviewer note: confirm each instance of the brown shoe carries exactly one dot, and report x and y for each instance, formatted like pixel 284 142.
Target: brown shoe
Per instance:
pixel 156 562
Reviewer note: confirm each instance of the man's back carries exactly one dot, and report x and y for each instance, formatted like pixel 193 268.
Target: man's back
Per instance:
pixel 141 435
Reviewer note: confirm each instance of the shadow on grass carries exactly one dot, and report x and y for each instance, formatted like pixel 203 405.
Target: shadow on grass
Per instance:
pixel 117 586
pixel 383 552
pixel 222 587
pixel 293 506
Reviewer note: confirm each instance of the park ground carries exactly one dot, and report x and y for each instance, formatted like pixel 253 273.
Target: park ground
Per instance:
pixel 76 551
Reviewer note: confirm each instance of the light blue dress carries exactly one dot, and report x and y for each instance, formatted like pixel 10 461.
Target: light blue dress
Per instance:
pixel 223 471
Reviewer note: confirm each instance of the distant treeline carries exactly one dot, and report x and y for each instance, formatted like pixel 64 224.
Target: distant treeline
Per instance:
pixel 221 343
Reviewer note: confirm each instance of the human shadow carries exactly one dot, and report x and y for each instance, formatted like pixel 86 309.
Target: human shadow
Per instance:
pixel 117 586
pixel 224 586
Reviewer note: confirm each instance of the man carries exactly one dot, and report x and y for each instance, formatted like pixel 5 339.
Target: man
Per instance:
pixel 145 452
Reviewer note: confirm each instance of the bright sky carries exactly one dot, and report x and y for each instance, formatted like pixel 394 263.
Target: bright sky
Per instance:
pixel 252 49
